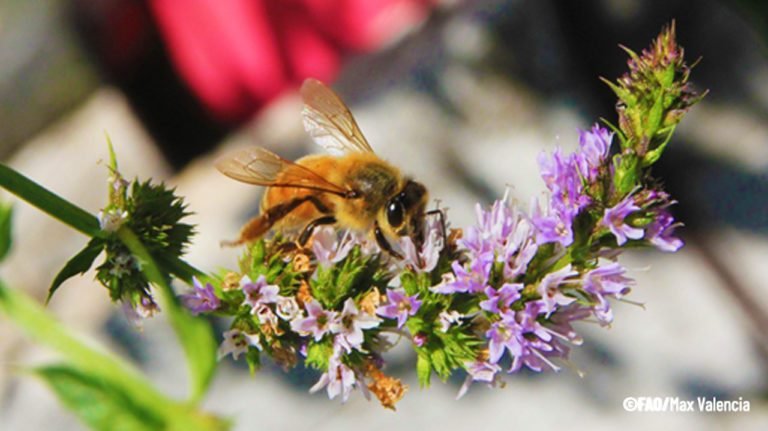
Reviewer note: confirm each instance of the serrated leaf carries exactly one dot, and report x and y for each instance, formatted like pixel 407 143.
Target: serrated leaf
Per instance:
pixel 6 238
pixel 99 403
pixel 318 355
pixel 78 264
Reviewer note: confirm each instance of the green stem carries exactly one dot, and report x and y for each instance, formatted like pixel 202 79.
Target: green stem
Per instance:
pixel 194 334
pixel 49 202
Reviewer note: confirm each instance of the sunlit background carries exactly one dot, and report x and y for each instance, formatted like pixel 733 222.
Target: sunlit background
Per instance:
pixel 463 95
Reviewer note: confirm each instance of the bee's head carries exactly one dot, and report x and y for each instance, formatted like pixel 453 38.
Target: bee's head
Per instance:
pixel 404 212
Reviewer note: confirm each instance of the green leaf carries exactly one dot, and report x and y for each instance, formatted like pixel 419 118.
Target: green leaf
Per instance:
pixel 194 333
pixel 6 239
pixel 179 268
pixel 423 368
pixel 99 364
pixel 102 405
pixel 318 355
pixel 49 202
pixel 79 264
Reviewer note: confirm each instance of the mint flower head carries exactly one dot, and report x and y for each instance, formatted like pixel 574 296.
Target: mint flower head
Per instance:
pixel 505 294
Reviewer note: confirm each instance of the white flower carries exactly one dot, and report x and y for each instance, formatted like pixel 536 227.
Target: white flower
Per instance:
pixel 237 342
pixel 448 318
pixel 287 308
pixel 111 220
pixel 351 324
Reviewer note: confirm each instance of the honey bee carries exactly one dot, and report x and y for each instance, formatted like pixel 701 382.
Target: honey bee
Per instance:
pixel 352 188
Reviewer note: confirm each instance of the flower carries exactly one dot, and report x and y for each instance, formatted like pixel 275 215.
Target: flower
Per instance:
pixel 606 280
pixel 350 326
pixel 552 225
pixel 563 179
pixel 287 308
pixel 448 318
pixel 266 318
pixel 202 299
pixel 144 308
pixel 259 292
pixel 536 342
pixel 473 280
pixel 317 323
pixel 328 248
pixel 594 146
pixel 499 300
pixel 614 217
pixel 660 231
pixel 424 260
pixel 399 306
pixel 339 379
pixel 236 342
pixel 478 371
pixel 504 335
pixel 111 220
pixel 548 288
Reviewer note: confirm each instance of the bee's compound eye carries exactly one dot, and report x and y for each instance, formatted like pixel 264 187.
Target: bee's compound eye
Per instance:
pixel 395 212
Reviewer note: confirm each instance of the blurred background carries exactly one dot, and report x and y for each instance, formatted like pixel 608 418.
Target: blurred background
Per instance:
pixel 463 95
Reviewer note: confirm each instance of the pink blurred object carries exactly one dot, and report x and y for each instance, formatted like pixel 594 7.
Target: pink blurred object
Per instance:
pixel 237 55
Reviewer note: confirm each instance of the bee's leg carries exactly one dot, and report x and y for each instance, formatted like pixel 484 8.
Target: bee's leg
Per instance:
pixel 381 240
pixel 259 225
pixel 441 215
pixel 310 228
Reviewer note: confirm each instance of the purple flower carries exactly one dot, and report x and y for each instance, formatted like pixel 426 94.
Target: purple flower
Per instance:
pixel 563 179
pixel 520 248
pixel 419 339
pixel 339 379
pixel 499 300
pixel 145 308
pixel 473 280
pixel 560 322
pixel 594 146
pixel 399 306
pixel 537 345
pixel 614 220
pixel 350 326
pixel 202 299
pixel 549 289
pixel 551 225
pixel 424 260
pixel 236 342
pixel 478 371
pixel 660 231
pixel 502 234
pixel 258 293
pixel 317 323
pixel 502 336
pixel 606 280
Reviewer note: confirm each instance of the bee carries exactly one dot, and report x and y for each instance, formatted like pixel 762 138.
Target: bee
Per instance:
pixel 352 188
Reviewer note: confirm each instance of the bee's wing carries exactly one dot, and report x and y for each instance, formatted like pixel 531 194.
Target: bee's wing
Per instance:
pixel 259 166
pixel 329 122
